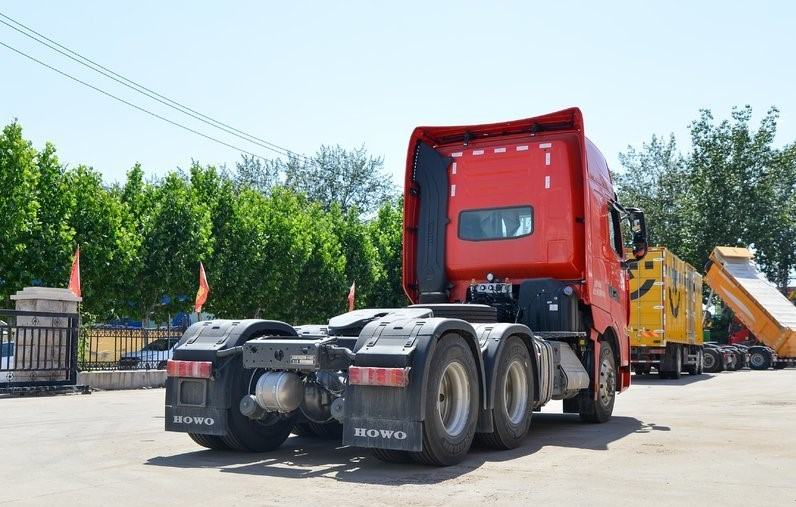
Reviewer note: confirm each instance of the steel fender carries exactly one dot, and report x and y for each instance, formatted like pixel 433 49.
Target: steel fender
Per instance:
pixel 407 343
pixel 201 342
pixel 491 338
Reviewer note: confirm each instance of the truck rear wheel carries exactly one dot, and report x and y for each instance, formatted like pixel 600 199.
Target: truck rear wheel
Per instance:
pixel 711 361
pixel 331 430
pixel 513 397
pixel 760 360
pixel 209 441
pixel 391 456
pixel 251 435
pixel 600 410
pixel 674 360
pixel 451 404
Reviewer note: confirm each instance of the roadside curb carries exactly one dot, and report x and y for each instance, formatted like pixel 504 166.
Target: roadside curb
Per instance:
pixel 118 380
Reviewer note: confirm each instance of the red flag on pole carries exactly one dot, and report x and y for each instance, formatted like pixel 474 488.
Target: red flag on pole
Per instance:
pixel 351 297
pixel 74 277
pixel 204 289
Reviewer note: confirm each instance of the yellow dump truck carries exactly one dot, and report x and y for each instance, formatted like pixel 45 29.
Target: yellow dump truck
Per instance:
pixel 757 303
pixel 665 326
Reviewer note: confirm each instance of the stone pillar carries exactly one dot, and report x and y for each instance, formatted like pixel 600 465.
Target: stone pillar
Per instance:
pixel 43 349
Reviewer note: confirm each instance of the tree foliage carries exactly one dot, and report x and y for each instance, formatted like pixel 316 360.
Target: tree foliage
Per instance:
pixel 734 188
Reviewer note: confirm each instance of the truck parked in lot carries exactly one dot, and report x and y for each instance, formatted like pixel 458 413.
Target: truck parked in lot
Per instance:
pixel 514 259
pixel 757 303
pixel 665 325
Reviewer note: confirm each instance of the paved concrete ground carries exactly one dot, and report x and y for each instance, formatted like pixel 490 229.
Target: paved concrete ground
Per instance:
pixel 726 439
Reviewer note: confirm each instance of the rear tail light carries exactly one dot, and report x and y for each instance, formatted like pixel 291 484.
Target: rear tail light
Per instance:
pixel 194 369
pixel 367 376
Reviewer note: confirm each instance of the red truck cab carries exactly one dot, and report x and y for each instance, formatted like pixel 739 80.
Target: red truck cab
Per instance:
pixel 526 211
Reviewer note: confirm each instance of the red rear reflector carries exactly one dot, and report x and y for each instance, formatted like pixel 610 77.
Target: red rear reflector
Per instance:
pixel 195 369
pixel 368 376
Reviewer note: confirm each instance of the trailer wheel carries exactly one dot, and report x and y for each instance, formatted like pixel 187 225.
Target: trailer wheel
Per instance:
pixel 711 361
pixel 248 435
pixel 513 397
pixel 391 456
pixel 331 430
pixel 600 410
pixel 302 430
pixel 678 364
pixel 451 404
pixel 760 360
pixel 209 441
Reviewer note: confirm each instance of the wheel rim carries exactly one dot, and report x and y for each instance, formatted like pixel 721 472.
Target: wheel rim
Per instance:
pixel 453 400
pixel 708 361
pixel 607 382
pixel 515 392
pixel 756 360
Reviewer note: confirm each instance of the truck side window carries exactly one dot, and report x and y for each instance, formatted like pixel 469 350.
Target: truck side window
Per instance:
pixel 615 231
pixel 496 223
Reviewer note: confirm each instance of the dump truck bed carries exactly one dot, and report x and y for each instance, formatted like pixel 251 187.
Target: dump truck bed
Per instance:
pixel 756 302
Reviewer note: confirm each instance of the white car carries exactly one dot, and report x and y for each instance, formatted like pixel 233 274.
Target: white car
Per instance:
pixel 153 356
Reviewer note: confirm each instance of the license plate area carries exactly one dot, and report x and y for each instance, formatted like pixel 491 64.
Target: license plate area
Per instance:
pixel 491 288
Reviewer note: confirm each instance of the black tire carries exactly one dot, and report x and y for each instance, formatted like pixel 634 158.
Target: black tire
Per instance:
pixel 209 441
pixel 600 410
pixel 302 430
pixel 760 360
pixel 451 404
pixel 248 435
pixel 391 456
pixel 678 364
pixel 513 397
pixel 711 361
pixel 331 430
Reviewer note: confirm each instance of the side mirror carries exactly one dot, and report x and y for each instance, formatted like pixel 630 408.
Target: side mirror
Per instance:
pixel 638 227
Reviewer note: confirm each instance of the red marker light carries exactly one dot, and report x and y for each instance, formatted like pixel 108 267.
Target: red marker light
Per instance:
pixel 193 369
pixel 370 376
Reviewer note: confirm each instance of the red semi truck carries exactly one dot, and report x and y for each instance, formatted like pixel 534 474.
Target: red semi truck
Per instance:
pixel 514 259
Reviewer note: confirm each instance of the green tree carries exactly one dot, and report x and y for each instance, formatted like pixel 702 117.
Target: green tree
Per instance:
pixel 259 174
pixel 734 188
pixel 175 236
pixel 655 180
pixel 108 248
pixel 386 235
pixel 729 166
pixel 18 208
pixel 361 261
pixel 53 234
pixel 347 178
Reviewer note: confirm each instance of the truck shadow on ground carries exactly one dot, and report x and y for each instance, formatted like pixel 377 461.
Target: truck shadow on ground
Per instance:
pixel 653 379
pixel 302 457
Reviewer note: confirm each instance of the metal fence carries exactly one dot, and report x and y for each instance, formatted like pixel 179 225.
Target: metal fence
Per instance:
pixel 38 349
pixel 126 348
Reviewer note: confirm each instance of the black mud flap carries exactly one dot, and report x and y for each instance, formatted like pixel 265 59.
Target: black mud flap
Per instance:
pixel 383 434
pixel 201 420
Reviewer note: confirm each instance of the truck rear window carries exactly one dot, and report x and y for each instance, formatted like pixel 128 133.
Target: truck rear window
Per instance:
pixel 495 223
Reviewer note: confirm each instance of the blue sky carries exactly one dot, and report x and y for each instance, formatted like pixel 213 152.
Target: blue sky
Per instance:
pixel 302 74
